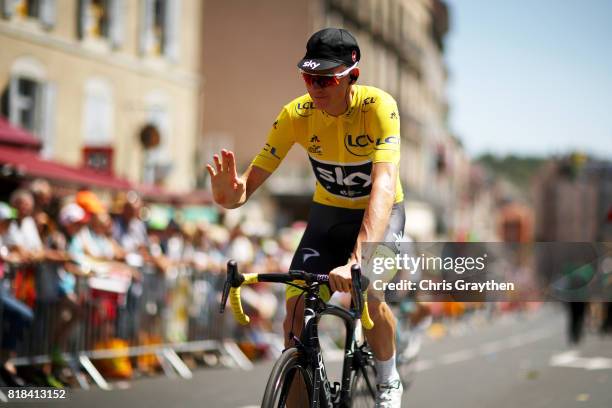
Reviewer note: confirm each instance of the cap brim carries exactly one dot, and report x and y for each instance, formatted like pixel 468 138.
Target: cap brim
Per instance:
pixel 317 65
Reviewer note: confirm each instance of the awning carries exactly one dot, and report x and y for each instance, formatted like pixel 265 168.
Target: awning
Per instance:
pixel 14 136
pixel 28 163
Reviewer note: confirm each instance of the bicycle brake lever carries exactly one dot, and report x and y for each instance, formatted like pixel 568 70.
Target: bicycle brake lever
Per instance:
pixel 231 280
pixel 356 288
pixel 224 295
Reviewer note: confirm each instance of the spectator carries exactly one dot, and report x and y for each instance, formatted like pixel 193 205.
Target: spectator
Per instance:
pixel 240 247
pixel 90 202
pixel 54 242
pixel 105 228
pixel 174 244
pixel 96 244
pixel 73 220
pixel 23 233
pixel 43 197
pixel 103 246
pixel 16 316
pixel 6 254
pixel 129 230
pixel 200 243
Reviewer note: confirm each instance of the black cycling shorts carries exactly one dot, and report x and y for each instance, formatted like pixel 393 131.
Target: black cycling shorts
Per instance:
pixel 330 238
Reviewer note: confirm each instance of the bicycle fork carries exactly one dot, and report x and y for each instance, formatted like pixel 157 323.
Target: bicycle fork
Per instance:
pixel 322 395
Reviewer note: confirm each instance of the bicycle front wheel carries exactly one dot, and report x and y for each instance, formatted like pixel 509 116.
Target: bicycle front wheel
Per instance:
pixel 290 382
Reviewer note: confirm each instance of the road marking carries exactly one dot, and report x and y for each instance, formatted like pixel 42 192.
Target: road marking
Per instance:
pixel 458 356
pixel 583 397
pixel 515 341
pixel 492 347
pixel 422 365
pixel 572 359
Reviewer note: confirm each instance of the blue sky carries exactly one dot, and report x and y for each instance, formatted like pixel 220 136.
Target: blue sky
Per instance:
pixel 531 76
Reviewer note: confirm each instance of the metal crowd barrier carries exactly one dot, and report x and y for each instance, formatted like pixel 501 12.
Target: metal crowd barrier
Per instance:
pixel 47 314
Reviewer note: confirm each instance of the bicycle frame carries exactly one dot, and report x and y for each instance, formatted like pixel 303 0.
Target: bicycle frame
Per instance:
pixel 314 309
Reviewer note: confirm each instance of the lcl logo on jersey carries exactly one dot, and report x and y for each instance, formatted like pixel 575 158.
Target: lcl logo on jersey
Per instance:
pixel 304 108
pixel 344 180
pixel 365 105
pixel 271 149
pixel 360 145
pixel 386 142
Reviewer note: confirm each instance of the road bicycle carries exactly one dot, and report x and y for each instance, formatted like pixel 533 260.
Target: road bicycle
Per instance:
pixel 299 374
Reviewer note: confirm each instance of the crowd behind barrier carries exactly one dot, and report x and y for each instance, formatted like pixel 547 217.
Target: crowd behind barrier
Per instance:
pixel 86 290
pixel 90 292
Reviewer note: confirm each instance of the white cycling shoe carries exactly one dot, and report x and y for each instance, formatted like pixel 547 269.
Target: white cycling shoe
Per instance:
pixel 389 395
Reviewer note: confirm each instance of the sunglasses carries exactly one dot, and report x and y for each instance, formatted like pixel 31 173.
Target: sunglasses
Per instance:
pixel 325 80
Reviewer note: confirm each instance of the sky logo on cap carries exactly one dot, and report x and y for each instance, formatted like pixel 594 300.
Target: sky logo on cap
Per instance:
pixel 311 64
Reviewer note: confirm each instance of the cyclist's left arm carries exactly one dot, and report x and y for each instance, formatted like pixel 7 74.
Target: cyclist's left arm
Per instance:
pixel 376 216
pixel 385 167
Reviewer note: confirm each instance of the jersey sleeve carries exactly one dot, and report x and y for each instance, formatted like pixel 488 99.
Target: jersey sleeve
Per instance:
pixel 280 139
pixel 386 130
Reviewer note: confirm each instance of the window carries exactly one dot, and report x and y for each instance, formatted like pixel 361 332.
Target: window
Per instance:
pixel 102 20
pixel 29 8
pixel 98 117
pixel 98 125
pixel 29 100
pixel 97 17
pixel 41 10
pixel 158 159
pixel 29 104
pixel 160 27
pixel 26 95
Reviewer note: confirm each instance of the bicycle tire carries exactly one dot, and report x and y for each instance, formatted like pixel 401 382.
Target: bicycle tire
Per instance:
pixel 282 376
pixel 363 386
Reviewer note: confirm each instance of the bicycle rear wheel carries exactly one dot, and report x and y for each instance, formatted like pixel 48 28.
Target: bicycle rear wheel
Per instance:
pixel 363 383
pixel 290 380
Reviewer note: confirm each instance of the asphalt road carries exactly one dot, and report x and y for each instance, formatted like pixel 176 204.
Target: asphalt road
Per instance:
pixel 515 361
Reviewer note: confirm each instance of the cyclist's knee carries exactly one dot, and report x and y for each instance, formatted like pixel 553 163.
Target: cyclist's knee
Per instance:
pixel 378 309
pixel 294 317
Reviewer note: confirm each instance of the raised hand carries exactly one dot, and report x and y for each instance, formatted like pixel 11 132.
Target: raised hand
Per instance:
pixel 228 189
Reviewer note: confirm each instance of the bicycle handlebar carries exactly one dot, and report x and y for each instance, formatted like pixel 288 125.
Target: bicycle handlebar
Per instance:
pixel 235 280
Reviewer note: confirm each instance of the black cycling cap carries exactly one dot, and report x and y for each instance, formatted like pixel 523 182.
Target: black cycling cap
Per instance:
pixel 330 48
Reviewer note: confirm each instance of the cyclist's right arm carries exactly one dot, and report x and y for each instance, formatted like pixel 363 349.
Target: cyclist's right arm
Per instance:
pixel 231 191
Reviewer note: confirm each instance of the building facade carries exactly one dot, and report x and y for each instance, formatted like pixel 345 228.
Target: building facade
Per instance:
pixel 111 84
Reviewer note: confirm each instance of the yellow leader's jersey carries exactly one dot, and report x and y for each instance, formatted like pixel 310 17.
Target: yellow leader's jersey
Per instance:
pixel 341 149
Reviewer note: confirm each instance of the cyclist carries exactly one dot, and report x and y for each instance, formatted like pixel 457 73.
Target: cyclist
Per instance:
pixel 352 136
